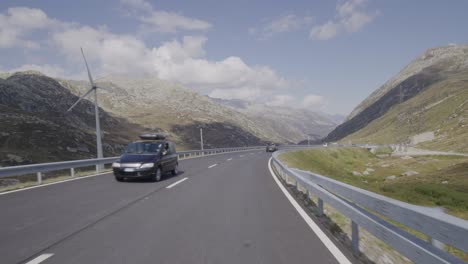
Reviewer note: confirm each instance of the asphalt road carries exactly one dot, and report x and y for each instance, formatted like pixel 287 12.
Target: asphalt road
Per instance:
pixel 231 212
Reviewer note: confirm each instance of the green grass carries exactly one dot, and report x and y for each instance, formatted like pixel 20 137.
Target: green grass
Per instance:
pixel 425 189
pixel 383 151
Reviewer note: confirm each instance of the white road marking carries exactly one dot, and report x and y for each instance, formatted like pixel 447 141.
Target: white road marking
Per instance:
pixel 175 183
pixel 214 165
pixel 340 257
pixel 40 259
pixel 241 156
pixel 229 159
pixel 52 183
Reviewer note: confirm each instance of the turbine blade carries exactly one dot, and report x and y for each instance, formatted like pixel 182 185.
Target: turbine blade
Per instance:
pixel 81 98
pixel 87 68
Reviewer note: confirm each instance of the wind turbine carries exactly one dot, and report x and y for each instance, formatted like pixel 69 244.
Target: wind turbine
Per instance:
pixel 96 110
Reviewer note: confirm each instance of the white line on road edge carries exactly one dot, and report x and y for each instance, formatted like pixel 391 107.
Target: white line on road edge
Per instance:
pixel 175 183
pixel 57 182
pixel 40 259
pixel 229 159
pixel 340 257
pixel 214 165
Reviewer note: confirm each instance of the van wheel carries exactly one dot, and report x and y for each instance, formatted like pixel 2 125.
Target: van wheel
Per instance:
pixel 175 171
pixel 158 175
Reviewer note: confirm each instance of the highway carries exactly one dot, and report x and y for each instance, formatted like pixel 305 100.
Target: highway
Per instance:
pixel 219 209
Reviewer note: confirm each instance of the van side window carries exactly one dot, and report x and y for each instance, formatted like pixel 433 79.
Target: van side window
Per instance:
pixel 172 149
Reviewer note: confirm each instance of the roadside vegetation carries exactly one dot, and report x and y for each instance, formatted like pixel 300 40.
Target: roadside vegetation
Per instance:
pixel 435 181
pixel 441 109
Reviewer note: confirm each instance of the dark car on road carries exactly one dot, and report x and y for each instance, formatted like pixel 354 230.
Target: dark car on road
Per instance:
pixel 271 148
pixel 149 158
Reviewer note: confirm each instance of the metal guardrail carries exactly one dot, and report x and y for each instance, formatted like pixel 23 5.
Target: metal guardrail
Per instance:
pixel 371 211
pixel 41 168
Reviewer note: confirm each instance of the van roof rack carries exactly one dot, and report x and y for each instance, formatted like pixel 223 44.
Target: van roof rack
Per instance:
pixel 152 136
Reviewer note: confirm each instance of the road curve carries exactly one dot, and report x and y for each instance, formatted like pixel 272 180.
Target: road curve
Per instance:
pixel 220 209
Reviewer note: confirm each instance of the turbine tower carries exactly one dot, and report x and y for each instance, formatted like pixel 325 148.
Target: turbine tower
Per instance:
pixel 96 110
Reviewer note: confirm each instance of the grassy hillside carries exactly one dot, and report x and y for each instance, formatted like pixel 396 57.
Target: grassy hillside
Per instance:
pixel 441 181
pixel 442 109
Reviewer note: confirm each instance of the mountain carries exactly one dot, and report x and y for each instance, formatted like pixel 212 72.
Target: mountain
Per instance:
pixel 426 103
pixel 34 115
pixel 285 124
pixel 35 126
pixel 179 112
pixel 173 109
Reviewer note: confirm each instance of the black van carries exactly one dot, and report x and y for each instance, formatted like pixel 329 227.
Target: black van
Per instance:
pixel 150 158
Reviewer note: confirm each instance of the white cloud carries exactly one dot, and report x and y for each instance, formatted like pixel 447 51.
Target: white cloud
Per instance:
pixel 351 16
pixel 282 100
pixel 179 61
pixel 314 102
pixel 286 23
pixel 163 21
pixel 19 21
pixel 310 101
pixel 183 61
pixel 325 31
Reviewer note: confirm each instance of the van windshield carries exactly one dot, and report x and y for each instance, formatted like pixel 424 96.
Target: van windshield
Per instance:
pixel 143 148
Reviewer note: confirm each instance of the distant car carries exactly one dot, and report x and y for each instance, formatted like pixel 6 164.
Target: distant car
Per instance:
pixel 325 144
pixel 149 158
pixel 271 148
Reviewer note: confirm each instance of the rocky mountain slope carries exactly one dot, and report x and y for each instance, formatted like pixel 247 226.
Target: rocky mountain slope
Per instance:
pixel 285 123
pixel 34 115
pixel 425 104
pixel 35 126
pixel 179 111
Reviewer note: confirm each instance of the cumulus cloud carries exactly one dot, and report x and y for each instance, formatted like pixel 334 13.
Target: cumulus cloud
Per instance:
pixel 279 25
pixel 351 16
pixel 163 21
pixel 17 22
pixel 310 101
pixel 182 60
pixel 325 31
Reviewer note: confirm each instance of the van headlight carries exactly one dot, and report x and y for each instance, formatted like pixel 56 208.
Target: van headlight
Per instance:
pixel 116 165
pixel 146 165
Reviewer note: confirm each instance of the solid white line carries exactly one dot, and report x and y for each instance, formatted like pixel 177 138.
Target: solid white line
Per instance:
pixel 40 259
pixel 214 165
pixel 229 159
pixel 52 183
pixel 340 257
pixel 175 183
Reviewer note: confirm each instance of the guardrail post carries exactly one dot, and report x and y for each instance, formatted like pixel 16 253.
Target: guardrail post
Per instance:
pixel 436 243
pixel 72 172
pixel 355 237
pixel 320 207
pixel 39 178
pixel 308 195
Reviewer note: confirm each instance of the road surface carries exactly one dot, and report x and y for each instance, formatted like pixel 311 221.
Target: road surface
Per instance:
pixel 220 209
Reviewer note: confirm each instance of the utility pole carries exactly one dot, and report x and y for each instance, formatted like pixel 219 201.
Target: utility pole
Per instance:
pixel 201 138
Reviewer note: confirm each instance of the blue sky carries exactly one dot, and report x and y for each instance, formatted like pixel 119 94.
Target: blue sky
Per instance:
pixel 323 55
